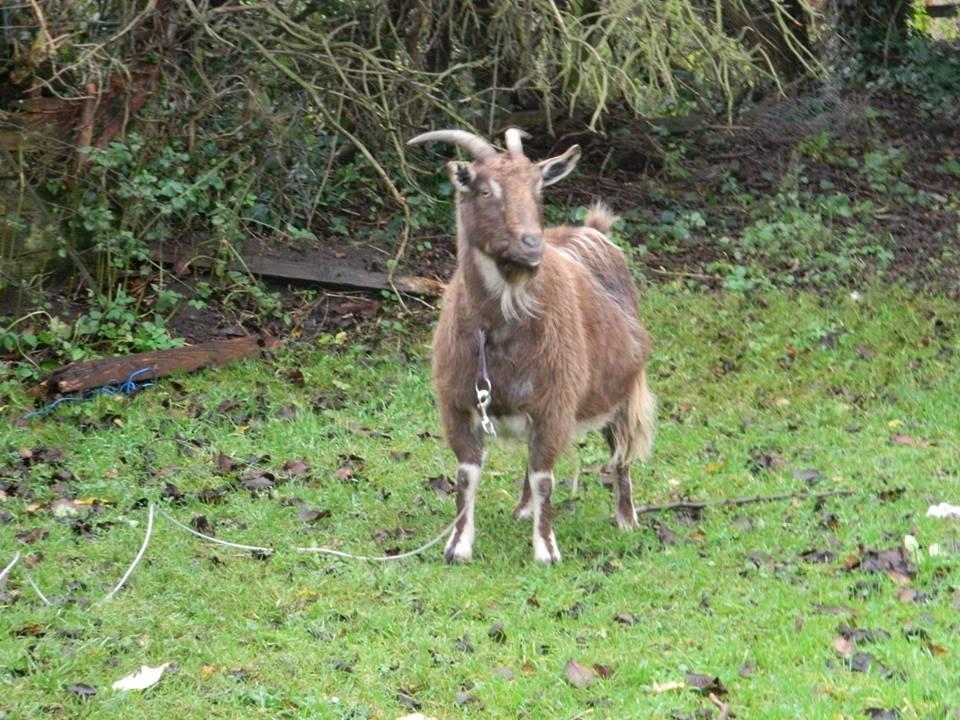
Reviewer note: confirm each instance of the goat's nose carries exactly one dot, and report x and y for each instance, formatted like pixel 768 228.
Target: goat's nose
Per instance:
pixel 531 241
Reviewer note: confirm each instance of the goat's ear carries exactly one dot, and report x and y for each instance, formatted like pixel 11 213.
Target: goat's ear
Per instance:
pixel 559 167
pixel 462 175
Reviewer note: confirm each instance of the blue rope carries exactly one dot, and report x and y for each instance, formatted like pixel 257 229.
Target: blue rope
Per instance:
pixel 127 387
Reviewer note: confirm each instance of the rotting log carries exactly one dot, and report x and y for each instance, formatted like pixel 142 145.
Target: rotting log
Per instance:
pixel 336 275
pixel 81 376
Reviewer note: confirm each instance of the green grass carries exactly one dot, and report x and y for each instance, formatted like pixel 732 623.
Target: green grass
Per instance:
pixel 787 377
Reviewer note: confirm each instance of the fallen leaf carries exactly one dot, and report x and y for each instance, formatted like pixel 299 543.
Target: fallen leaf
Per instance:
pixel 213 495
pixel 816 555
pixel 440 485
pixel 844 646
pixel 865 662
pixel 408 700
pixel 864 352
pixel 296 467
pixel 894 559
pixel 144 678
pixel 668 686
pixel 862 635
pixel 504 673
pixel 881 714
pixel 311 516
pixel 604 671
pixel 624 619
pixel 748 668
pixel 257 481
pixel 82 690
pixel 908 441
pixel 465 698
pixel 497 633
pixel 943 510
pixel 580 676
pixel 344 473
pixel 287 412
pixel 202 525
pixel 224 463
pixel 705 683
pixel 810 476
pixel 906 595
pixel 35 630
pixel 665 535
pixel 61 508
pixel 416 716
pixel 31 535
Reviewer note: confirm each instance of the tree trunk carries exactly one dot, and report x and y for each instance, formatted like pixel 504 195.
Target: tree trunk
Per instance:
pixel 875 27
pixel 789 52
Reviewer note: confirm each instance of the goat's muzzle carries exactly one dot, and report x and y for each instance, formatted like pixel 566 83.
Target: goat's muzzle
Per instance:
pixel 522 257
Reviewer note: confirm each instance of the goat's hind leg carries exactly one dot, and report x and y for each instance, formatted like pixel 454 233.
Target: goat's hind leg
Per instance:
pixel 524 508
pixel 630 435
pixel 624 514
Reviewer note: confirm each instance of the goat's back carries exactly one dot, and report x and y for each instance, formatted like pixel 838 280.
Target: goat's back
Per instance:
pixel 589 246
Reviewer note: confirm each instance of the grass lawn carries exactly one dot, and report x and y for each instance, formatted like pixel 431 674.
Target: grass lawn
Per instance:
pixel 758 395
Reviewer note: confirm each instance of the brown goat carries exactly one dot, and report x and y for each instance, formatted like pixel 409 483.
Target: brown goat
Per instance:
pixel 545 320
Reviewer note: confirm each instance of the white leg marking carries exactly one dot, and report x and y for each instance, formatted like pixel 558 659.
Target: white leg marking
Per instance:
pixel 460 544
pixel 545 550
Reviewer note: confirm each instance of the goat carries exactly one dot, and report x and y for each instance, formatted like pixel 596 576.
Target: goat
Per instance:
pixel 541 326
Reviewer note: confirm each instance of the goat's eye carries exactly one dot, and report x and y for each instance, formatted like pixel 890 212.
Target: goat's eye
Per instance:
pixel 485 193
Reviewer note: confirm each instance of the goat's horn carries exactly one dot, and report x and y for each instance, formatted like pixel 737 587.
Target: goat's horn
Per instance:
pixel 475 145
pixel 514 138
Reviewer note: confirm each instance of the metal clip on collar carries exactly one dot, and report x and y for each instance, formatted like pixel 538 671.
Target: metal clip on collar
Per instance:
pixel 483 386
pixel 483 402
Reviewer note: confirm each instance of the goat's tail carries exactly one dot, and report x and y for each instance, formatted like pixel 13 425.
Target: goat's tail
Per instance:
pixel 634 429
pixel 600 217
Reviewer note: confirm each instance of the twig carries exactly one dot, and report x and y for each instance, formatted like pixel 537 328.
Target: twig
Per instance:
pixel 678 273
pixel 7 569
pixel 136 560
pixel 721 705
pixel 731 502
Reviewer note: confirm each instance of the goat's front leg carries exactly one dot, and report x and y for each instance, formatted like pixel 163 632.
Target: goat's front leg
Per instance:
pixel 543 455
pixel 467 444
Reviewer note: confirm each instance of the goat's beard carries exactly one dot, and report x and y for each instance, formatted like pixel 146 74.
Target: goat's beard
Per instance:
pixel 516 274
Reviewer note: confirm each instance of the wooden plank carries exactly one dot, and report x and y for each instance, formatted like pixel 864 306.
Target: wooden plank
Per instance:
pixel 336 275
pixel 942 8
pixel 77 377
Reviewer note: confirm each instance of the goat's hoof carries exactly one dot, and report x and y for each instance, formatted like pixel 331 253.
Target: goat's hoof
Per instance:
pixel 545 552
pixel 523 511
pixel 458 553
pixel 626 522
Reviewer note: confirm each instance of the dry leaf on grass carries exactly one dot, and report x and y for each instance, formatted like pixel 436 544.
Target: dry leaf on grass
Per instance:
pixel 668 686
pixel 144 678
pixel 579 675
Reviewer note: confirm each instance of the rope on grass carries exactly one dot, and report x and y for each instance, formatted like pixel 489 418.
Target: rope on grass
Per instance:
pixel 321 550
pixel 208 538
pixel 136 560
pixel 7 569
pixel 254 548
pixel 687 504
pixel 37 590
pixel 127 387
